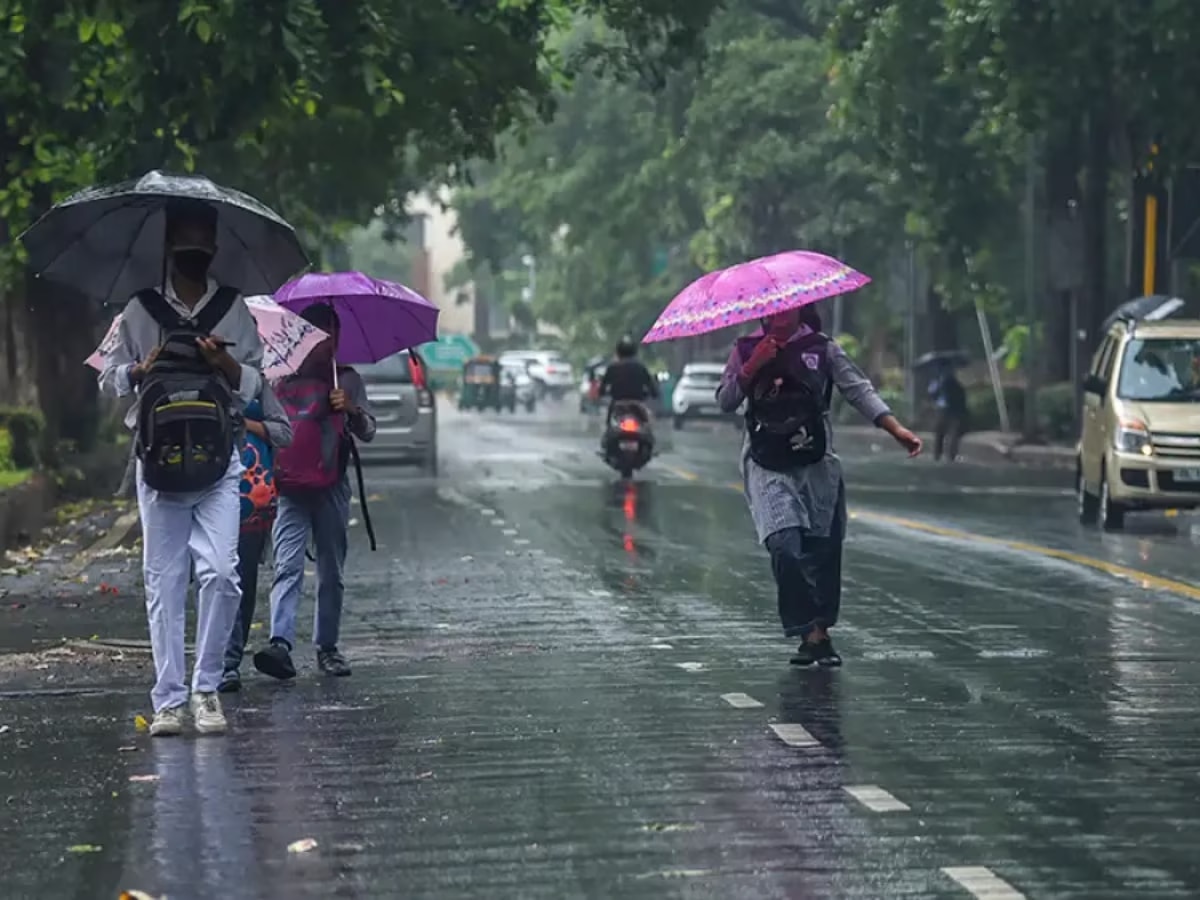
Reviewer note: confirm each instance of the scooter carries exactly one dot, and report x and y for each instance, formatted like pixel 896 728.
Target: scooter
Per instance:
pixel 628 440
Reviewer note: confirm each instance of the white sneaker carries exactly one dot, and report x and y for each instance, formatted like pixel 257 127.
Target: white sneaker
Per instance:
pixel 206 711
pixel 167 722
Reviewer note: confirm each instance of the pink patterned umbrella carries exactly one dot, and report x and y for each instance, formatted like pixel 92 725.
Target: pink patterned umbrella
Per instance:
pixel 287 338
pixel 752 290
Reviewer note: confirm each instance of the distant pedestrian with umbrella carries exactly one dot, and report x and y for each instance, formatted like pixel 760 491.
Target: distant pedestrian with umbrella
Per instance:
pixel 368 320
pixel 187 347
pixel 785 373
pixel 949 399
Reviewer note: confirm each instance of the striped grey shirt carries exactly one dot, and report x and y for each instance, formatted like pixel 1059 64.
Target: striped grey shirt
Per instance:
pixel 807 497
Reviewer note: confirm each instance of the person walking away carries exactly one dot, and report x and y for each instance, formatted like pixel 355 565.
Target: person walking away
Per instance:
pixel 950 398
pixel 267 430
pixel 626 380
pixel 314 498
pixel 195 337
pixel 792 476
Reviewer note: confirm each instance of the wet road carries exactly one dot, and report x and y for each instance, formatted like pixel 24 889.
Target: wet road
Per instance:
pixel 568 688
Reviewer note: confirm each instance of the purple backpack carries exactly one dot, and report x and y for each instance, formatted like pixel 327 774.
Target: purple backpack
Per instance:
pixel 313 461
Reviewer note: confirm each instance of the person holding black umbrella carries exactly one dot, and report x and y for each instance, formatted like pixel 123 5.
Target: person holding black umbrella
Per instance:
pixel 199 523
pixel 188 349
pixel 950 398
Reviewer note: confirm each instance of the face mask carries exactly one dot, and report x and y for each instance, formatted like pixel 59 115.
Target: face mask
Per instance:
pixel 192 263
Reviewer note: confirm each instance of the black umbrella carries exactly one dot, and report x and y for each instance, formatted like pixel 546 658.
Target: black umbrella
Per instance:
pixel 108 241
pixel 1147 309
pixel 948 358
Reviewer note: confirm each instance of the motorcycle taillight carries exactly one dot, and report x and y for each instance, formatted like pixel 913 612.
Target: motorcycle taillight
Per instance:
pixel 629 426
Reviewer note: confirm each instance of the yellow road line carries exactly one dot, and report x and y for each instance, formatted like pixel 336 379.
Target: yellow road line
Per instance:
pixel 1144 579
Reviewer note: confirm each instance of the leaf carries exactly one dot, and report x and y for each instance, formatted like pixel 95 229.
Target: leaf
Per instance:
pixel 204 30
pixel 140 723
pixel 310 107
pixel 143 779
pixel 305 845
pixel 87 30
pixel 85 848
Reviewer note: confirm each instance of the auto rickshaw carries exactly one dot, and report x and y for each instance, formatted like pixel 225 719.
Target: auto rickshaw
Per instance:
pixel 480 384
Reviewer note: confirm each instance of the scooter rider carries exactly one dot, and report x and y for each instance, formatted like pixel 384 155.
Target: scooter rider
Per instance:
pixel 626 380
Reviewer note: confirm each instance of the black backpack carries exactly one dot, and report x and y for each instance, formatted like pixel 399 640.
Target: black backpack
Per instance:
pixel 786 406
pixel 187 427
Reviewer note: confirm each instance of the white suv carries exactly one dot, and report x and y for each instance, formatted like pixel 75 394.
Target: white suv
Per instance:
pixel 549 370
pixel 695 396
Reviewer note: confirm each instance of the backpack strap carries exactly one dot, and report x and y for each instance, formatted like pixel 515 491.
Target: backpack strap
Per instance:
pixel 216 309
pixel 159 309
pixel 205 321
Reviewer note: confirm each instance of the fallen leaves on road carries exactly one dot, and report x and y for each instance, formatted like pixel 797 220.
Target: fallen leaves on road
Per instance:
pixel 140 723
pixel 4 729
pixel 138 895
pixel 85 848
pixel 143 779
pixel 302 846
pixel 129 749
pixel 424 775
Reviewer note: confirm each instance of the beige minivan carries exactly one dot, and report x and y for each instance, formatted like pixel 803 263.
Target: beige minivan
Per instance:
pixel 1140 442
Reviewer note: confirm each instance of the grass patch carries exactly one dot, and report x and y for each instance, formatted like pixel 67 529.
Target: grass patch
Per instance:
pixel 14 477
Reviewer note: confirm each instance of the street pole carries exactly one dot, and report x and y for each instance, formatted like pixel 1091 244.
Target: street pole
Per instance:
pixel 1032 349
pixel 985 332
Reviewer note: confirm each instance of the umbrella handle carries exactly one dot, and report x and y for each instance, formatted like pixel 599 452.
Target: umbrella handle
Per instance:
pixel 335 374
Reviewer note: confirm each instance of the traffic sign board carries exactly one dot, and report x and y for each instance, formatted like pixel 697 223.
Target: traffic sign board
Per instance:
pixel 450 351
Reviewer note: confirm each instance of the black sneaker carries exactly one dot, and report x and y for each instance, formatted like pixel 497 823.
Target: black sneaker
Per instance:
pixel 331 662
pixel 276 661
pixel 828 657
pixel 231 682
pixel 808 654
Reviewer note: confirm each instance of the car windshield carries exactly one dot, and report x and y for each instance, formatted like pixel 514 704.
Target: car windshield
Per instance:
pixel 1161 370
pixel 702 376
pixel 394 369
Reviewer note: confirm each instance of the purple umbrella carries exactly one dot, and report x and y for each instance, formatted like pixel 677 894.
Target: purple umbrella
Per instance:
pixel 378 318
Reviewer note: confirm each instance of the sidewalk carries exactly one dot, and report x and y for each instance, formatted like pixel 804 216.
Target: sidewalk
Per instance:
pixel 991 446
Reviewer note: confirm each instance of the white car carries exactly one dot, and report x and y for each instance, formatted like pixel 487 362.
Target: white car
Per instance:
pixel 695 396
pixel 551 373
pixel 526 389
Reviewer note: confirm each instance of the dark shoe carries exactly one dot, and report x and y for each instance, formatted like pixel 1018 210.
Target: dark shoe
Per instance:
pixel 276 661
pixel 829 658
pixel 807 655
pixel 231 682
pixel 331 662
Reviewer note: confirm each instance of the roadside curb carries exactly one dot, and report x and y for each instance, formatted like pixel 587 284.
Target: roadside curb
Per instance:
pixel 117 645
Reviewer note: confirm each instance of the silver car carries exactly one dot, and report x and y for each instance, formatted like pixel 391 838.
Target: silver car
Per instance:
pixel 695 396
pixel 405 411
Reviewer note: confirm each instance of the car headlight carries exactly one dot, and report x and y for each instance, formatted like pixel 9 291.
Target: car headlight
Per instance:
pixel 1133 437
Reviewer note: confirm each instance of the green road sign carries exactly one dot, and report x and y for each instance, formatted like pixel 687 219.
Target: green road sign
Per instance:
pixel 450 351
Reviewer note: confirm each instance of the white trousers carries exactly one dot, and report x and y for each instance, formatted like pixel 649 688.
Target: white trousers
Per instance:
pixel 180 531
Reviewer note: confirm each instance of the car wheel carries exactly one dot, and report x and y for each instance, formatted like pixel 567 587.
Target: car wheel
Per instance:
pixel 1088 504
pixel 1112 514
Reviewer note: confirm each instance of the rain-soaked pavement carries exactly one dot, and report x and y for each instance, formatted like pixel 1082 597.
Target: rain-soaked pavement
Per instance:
pixel 568 688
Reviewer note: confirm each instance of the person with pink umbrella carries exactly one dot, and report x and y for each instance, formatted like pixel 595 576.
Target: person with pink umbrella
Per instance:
pixel 785 374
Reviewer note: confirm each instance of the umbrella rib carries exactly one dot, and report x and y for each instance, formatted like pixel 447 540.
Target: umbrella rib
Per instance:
pixel 137 233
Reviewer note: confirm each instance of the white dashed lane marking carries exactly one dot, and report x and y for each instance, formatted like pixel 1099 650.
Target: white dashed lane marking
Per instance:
pixel 875 798
pixel 741 701
pixel 794 735
pixel 983 883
